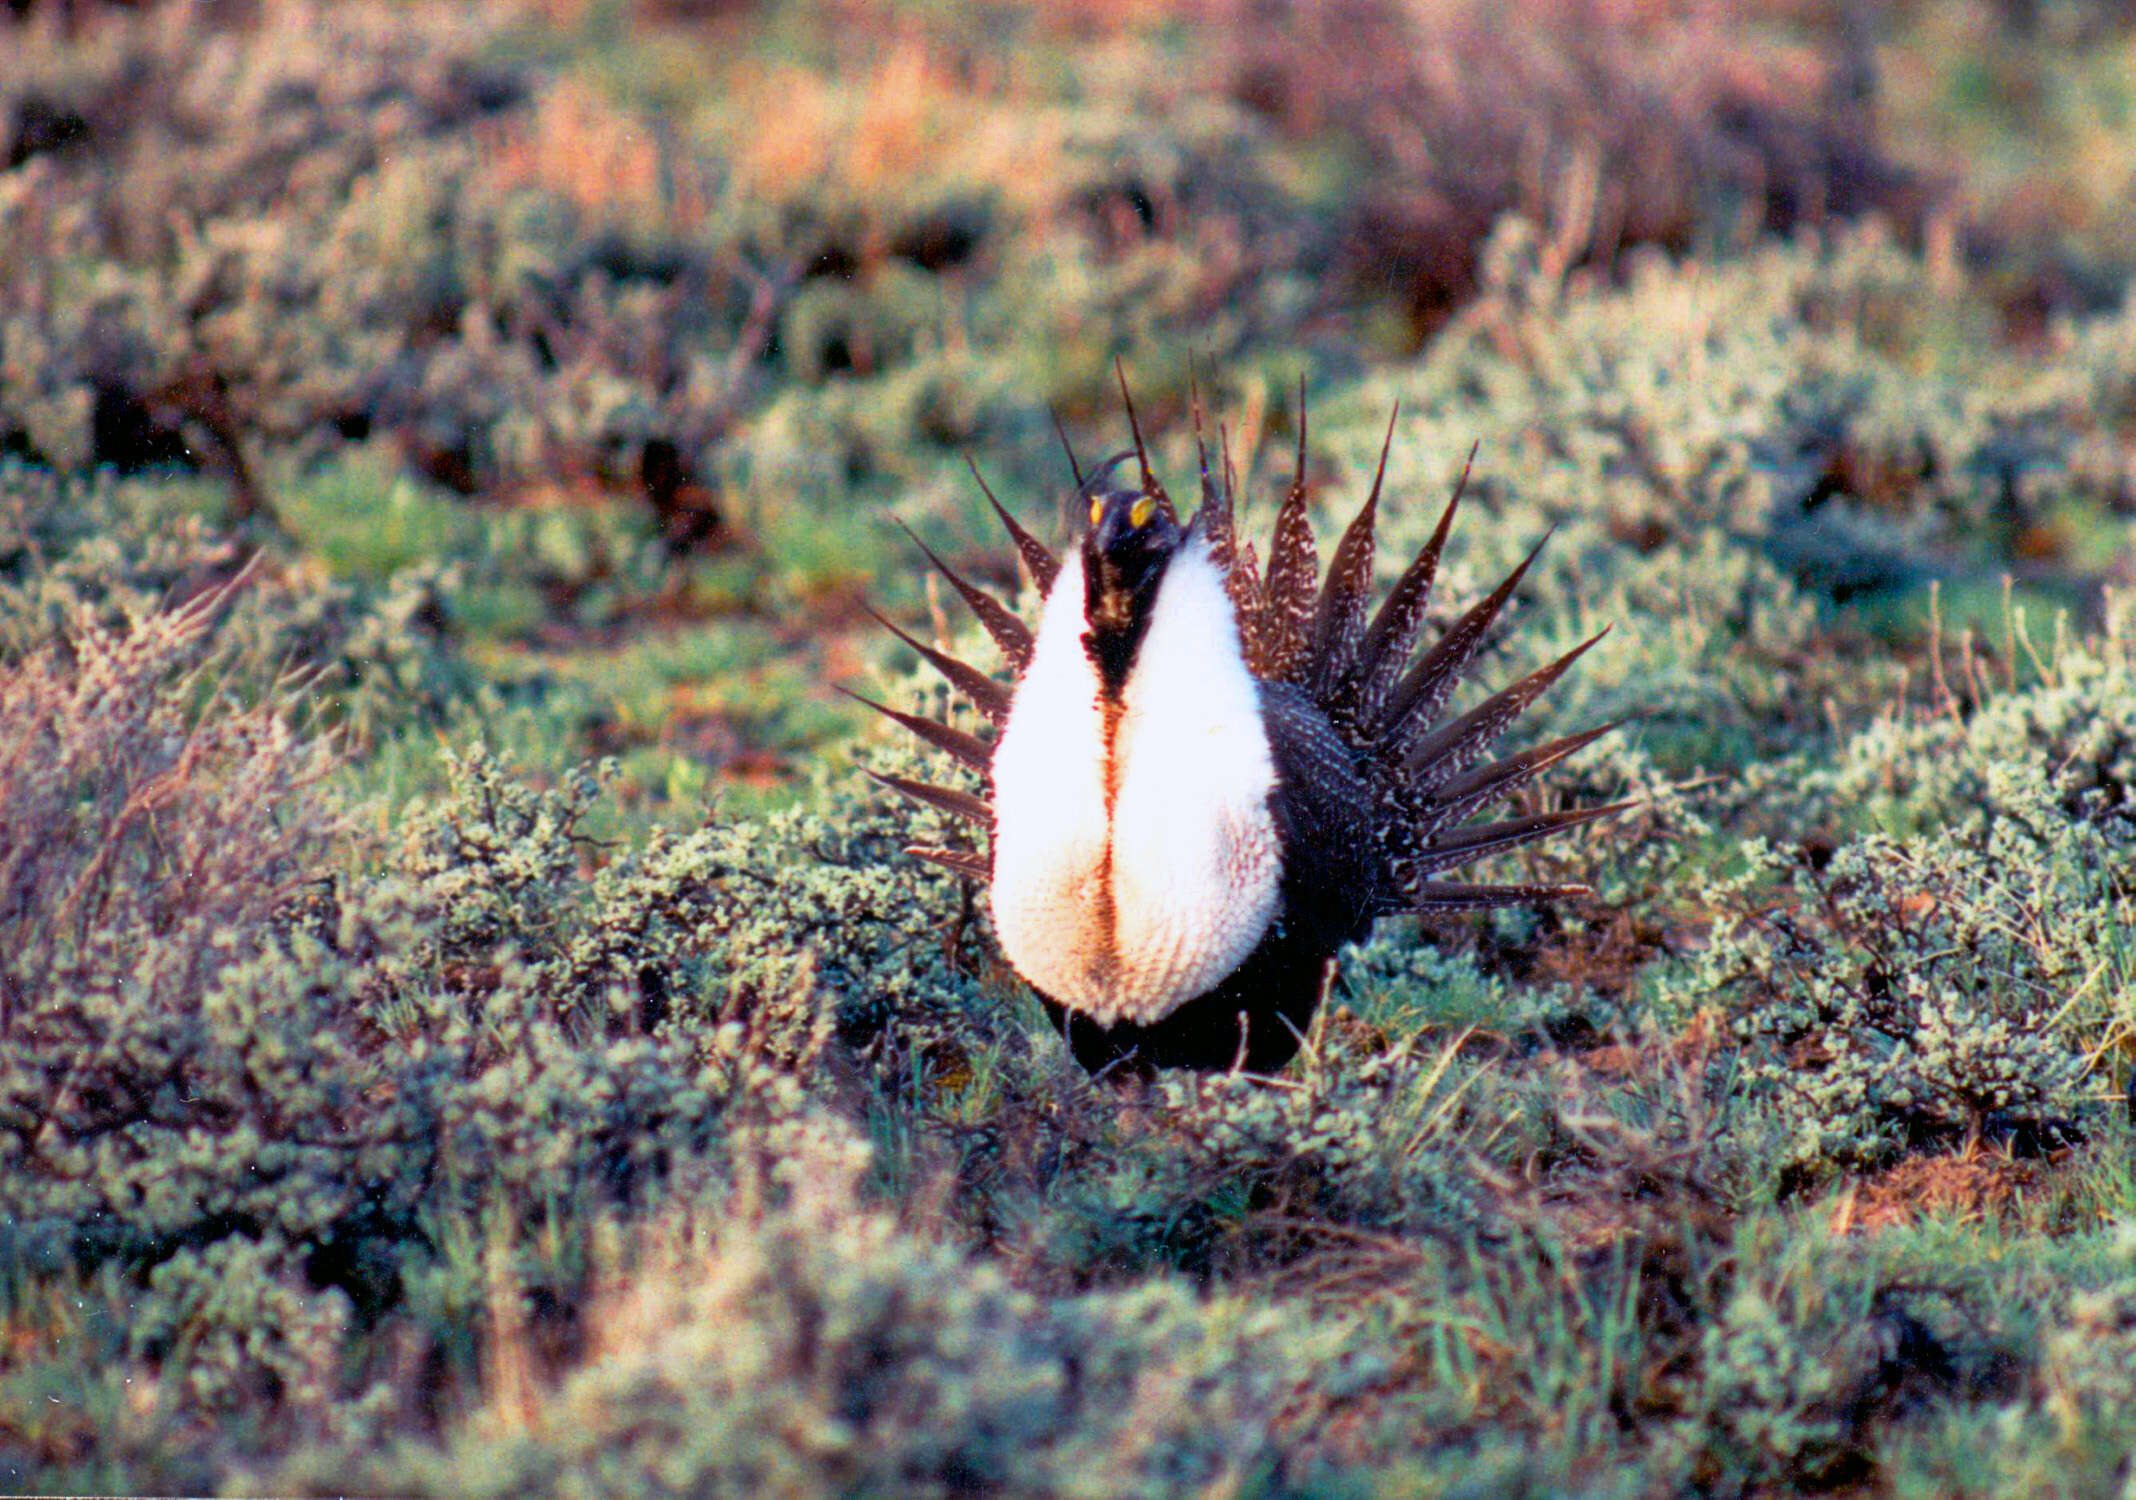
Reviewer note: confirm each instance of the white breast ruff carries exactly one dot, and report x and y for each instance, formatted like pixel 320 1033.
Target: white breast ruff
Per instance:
pixel 1195 859
pixel 1050 834
pixel 1188 856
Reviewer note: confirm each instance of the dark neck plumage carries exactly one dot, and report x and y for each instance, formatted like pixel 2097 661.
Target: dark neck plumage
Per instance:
pixel 1117 600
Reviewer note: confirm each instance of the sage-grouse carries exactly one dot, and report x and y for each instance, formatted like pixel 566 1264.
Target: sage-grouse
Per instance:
pixel 1206 778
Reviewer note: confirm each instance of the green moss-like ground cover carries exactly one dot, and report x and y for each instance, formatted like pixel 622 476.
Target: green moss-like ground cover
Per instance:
pixel 466 1026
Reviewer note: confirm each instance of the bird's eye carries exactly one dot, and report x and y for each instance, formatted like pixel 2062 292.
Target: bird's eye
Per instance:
pixel 1097 511
pixel 1139 517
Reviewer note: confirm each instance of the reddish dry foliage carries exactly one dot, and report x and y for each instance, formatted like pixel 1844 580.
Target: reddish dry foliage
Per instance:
pixel 1968 1185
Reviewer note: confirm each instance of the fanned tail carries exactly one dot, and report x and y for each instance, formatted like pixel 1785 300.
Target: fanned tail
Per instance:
pixel 1359 667
pixel 1386 701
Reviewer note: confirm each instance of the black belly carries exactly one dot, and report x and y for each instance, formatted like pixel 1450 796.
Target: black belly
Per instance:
pixel 1255 1018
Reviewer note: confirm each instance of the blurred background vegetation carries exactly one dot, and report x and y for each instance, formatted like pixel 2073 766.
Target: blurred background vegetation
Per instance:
pixel 464 1028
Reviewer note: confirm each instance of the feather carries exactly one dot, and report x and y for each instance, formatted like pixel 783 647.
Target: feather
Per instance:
pixel 963 861
pixel 947 798
pixel 970 749
pixel 1074 469
pixel 1293 573
pixel 1038 560
pixel 1150 486
pixel 1451 749
pixel 1392 636
pixel 1471 791
pixel 1418 698
pixel 1467 845
pixel 1242 579
pixel 1010 634
pixel 1340 621
pixel 986 695
pixel 1434 897
pixel 1213 519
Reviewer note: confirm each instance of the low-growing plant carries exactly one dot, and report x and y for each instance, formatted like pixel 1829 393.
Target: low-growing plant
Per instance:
pixel 797 1339
pixel 1910 994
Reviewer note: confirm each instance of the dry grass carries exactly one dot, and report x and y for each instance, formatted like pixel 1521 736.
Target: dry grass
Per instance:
pixel 617 168
pixel 127 816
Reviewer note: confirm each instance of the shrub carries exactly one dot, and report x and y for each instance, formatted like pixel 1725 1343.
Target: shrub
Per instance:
pixel 1217 1174
pixel 1963 964
pixel 144 840
pixel 795 1339
pixel 371 654
pixel 1914 993
pixel 2054 720
pixel 209 1034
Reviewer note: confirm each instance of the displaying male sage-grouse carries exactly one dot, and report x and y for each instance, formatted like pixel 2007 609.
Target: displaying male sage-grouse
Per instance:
pixel 1206 778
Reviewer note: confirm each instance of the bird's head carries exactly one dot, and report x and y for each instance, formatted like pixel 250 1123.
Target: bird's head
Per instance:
pixel 1132 535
